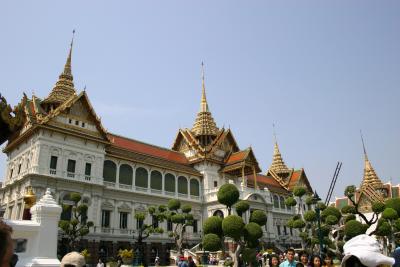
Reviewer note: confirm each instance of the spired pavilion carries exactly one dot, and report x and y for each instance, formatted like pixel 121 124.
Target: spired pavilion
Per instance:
pixel 63 145
pixel 371 190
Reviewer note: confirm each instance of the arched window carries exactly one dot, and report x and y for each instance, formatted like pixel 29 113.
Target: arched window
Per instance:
pixel 276 201
pixel 218 213
pixel 194 187
pixel 156 180
pixel 109 171
pixel 282 202
pixel 169 183
pixel 125 174
pixel 182 185
pixel 141 177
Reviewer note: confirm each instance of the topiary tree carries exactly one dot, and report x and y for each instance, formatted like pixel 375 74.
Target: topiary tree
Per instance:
pixel 78 226
pixel 181 216
pixel 158 215
pixel 245 235
pixel 228 194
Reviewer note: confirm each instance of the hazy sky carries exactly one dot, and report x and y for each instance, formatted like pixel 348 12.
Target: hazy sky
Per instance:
pixel 319 70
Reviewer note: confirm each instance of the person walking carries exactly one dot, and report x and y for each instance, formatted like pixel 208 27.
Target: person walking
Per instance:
pixel 316 261
pixel 100 264
pixel 191 262
pixel 303 257
pixel 274 261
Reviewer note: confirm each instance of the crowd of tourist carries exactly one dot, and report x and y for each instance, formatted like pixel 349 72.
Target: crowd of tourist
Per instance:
pixel 360 251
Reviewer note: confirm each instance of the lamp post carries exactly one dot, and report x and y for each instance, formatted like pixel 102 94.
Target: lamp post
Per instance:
pixel 316 198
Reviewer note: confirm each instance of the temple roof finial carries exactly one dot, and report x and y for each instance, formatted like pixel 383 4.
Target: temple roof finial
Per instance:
pixel 278 165
pixel 64 87
pixel 363 144
pixel 203 104
pixel 204 124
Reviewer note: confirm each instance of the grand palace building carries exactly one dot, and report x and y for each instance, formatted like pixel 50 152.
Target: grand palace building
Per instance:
pixel 63 145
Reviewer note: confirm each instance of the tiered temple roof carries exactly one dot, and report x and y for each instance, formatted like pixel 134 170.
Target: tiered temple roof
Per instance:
pixel 64 87
pixel 278 165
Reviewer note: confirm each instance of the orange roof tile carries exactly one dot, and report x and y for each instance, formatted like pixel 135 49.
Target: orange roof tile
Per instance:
pixel 237 156
pixel 264 181
pixel 294 179
pixel 143 148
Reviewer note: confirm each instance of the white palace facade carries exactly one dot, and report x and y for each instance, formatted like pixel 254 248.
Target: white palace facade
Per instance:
pixel 63 145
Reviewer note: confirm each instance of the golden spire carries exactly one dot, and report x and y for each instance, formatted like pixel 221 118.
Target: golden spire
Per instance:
pixel 370 176
pixel 204 124
pixel 64 87
pixel 278 165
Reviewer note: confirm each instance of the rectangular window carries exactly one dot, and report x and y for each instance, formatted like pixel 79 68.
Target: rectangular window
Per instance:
pixel 284 230
pixel 70 121
pixel 215 184
pixel 123 220
pixel 77 123
pixel 71 166
pixel 154 221
pixel 105 218
pixel 139 223
pixel 19 168
pixel 169 225
pixel 88 169
pixel 278 227
pixel 83 124
pixel 195 226
pixel 53 162
pixel 11 173
pixel 291 231
pixel 18 212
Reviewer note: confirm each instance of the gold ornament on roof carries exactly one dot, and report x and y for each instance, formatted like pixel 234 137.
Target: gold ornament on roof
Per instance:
pixel 278 165
pixel 204 124
pixel 370 177
pixel 29 198
pixel 64 87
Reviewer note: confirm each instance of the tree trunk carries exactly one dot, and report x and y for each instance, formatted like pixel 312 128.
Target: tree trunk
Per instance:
pixel 237 254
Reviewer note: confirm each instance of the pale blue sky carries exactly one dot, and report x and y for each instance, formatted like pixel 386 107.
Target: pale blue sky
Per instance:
pixel 321 70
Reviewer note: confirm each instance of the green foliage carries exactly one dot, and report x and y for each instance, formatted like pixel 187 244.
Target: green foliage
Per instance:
pixel 211 242
pixel 310 200
pixel 241 207
pixel 232 226
pixel 378 207
pixel 348 209
pixel 259 217
pixel 213 225
pixel 249 254
pixel 393 203
pixel 140 216
pixel 303 235
pixel 396 224
pixel 390 214
pixel 174 204
pixel 252 232
pixel 384 229
pixel 162 208
pixel 325 229
pixel 186 208
pixel 299 191
pixel 78 226
pixel 333 211
pixel 290 201
pixel 75 197
pixel 152 209
pixel 354 228
pixel 349 218
pixel 320 205
pixel 299 224
pixel 228 194
pixel 290 223
pixel 310 216
pixel 178 218
pixel 331 220
pixel 349 191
